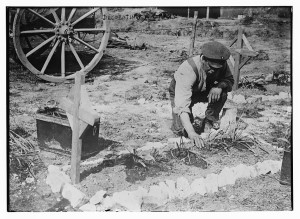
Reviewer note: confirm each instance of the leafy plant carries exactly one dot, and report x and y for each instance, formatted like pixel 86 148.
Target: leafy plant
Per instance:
pixel 223 139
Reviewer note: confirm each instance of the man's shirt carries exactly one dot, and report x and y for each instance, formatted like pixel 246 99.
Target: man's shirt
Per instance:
pixel 187 83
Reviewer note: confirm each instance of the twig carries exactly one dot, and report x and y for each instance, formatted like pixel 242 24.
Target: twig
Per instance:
pixel 189 157
pixel 271 177
pixel 225 147
pixel 263 149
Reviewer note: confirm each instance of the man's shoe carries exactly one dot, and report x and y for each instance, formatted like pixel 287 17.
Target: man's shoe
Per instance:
pixel 216 125
pixel 198 125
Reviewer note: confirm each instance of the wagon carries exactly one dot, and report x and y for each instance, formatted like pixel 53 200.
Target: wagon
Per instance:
pixel 55 43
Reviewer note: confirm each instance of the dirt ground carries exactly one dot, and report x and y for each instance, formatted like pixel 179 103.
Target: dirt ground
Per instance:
pixel 126 123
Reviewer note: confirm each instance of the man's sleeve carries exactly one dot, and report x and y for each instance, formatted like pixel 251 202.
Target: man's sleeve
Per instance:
pixel 183 90
pixel 227 81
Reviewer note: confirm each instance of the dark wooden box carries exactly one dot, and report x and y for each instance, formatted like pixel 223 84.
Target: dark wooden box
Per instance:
pixel 55 134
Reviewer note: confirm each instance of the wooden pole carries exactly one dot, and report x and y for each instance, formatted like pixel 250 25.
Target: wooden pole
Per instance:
pixel 193 36
pixel 188 12
pixel 238 59
pixel 222 12
pixel 76 141
pixel 207 13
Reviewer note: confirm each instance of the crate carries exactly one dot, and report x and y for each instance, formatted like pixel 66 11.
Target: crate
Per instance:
pixel 55 134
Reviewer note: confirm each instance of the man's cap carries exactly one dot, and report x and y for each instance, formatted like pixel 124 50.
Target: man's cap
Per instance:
pixel 216 53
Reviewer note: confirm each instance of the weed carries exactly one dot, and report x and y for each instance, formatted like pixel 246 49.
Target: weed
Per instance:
pixel 225 139
pixel 23 155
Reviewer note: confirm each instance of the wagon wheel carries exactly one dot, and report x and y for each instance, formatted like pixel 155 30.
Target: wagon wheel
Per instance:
pixel 54 44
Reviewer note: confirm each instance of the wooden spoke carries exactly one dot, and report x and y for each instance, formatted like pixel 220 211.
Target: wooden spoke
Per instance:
pixel 86 44
pixel 41 16
pixel 37 31
pixel 55 16
pixel 71 14
pixel 85 15
pixel 90 30
pixel 49 57
pixel 63 60
pixel 63 14
pixel 76 56
pixel 39 46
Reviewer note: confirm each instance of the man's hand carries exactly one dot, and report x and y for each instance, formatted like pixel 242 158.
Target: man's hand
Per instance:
pixel 196 139
pixel 214 94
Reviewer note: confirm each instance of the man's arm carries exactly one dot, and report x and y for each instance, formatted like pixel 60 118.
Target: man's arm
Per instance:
pixel 185 79
pixel 186 122
pixel 227 81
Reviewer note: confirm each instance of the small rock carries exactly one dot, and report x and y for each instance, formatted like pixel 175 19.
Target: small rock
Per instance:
pixel 239 99
pixel 241 171
pixel 53 168
pixel 170 192
pixel 74 196
pixel 156 196
pixel 183 187
pixel 108 203
pixel 141 191
pixel 232 197
pixel 141 101
pixel 88 207
pixel 199 109
pixel 226 177
pixel 269 78
pixel 132 201
pixel 172 188
pixel 211 183
pixel 29 180
pixel 289 109
pixel 98 197
pixel 198 186
pixel 253 172
pixel 56 178
pixel 272 165
pixel 261 168
pixel 283 95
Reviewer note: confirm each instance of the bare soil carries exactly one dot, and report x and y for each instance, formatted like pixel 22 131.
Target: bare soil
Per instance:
pixel 136 74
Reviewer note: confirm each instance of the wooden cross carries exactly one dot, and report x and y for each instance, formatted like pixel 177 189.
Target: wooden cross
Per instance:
pixel 80 115
pixel 235 63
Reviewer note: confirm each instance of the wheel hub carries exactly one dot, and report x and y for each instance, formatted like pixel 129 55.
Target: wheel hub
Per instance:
pixel 64 30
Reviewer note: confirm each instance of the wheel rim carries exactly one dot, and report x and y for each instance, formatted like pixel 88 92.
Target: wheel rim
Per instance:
pixel 54 44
